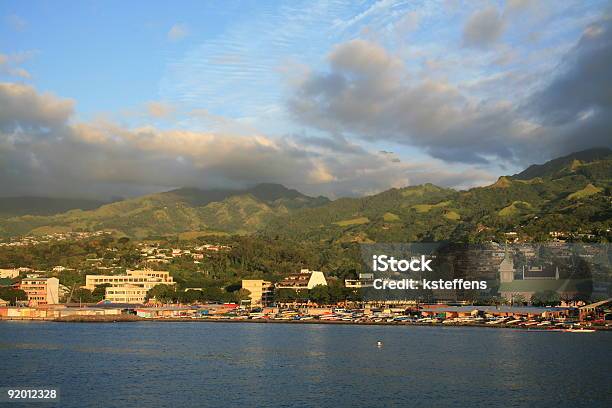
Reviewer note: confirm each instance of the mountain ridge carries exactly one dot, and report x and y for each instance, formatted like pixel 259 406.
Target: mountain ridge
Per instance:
pixel 554 165
pixel 174 211
pixel 569 192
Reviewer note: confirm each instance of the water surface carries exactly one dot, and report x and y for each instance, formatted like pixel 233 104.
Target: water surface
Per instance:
pixel 194 364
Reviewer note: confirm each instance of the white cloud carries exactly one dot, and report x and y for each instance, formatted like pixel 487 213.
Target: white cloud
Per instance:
pixel 576 102
pixel 23 107
pixel 370 94
pixel 177 32
pixel 43 152
pixel 10 64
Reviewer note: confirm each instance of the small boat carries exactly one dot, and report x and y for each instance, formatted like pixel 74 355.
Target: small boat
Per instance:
pixel 580 330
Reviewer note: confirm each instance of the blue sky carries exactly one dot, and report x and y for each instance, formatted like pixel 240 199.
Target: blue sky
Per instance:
pixel 287 77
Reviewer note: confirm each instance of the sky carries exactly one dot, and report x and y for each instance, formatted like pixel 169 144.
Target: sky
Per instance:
pixel 100 99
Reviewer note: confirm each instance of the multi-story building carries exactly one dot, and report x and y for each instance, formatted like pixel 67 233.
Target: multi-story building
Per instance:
pixel 262 292
pixel 131 277
pixel 40 291
pixel 131 287
pixel 306 279
pixel 366 280
pixel 126 293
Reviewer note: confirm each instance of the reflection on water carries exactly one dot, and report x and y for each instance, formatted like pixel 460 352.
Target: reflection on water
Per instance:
pixel 216 364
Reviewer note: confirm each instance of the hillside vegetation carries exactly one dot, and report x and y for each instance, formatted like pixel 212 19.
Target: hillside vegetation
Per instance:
pixel 177 211
pixel 570 193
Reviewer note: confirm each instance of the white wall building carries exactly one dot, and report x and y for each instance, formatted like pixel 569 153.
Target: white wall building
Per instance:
pixel 131 287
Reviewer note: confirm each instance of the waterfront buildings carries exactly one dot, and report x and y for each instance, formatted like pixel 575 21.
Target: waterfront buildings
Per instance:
pixel 131 287
pixel 527 312
pixel 305 279
pixel 105 312
pixel 126 293
pixel 262 292
pixel 51 312
pixel 40 291
pixel 597 310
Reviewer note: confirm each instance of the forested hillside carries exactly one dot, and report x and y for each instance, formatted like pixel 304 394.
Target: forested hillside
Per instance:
pixel 185 210
pixel 570 194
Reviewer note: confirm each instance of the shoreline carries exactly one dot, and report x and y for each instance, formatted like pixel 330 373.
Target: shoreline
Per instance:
pixel 132 319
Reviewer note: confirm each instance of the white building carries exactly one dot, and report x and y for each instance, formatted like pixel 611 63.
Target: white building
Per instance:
pixel 131 287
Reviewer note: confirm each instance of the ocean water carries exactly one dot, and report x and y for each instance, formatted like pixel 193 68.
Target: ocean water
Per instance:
pixel 196 364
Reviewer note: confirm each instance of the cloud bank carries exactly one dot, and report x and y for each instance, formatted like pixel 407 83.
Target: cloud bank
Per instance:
pixel 577 102
pixel 42 151
pixel 466 110
pixel 369 93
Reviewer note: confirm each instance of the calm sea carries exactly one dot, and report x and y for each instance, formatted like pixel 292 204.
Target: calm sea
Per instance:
pixel 159 364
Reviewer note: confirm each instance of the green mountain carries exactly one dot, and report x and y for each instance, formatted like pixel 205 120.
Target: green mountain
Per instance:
pixel 393 215
pixel 595 158
pixel 185 210
pixel 572 193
